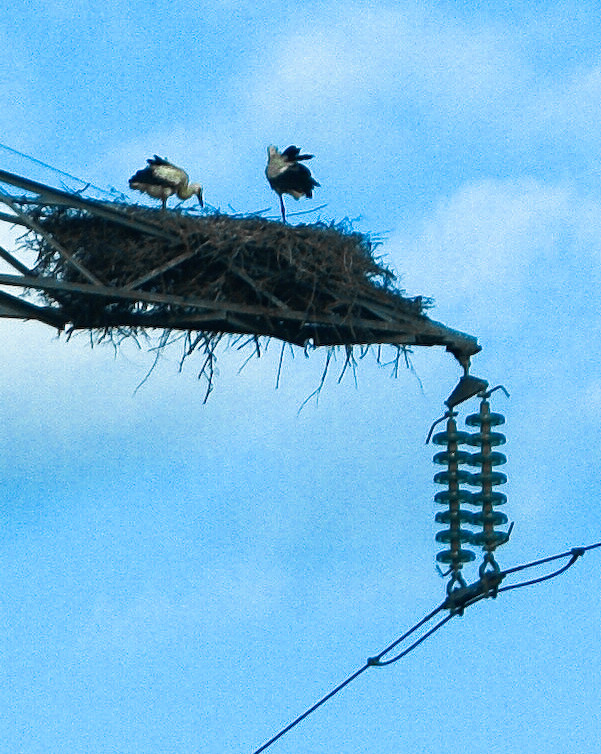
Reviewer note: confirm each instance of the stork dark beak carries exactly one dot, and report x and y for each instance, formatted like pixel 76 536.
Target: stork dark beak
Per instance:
pixel 200 200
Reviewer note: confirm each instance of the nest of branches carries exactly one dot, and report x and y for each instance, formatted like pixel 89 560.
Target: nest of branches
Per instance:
pixel 318 270
pixel 210 275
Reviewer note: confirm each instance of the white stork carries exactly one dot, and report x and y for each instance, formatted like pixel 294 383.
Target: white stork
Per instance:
pixel 286 175
pixel 161 179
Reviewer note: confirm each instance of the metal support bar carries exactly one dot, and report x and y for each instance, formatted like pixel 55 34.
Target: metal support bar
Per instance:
pixel 162 269
pixel 55 245
pixel 77 202
pixel 15 308
pixel 12 219
pixel 14 262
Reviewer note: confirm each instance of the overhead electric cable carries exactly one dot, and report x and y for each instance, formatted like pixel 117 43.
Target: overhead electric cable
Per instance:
pixel 456 602
pixel 86 184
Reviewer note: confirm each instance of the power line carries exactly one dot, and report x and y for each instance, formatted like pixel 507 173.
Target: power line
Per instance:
pixel 312 709
pixel 456 602
pixel 87 184
pixel 369 663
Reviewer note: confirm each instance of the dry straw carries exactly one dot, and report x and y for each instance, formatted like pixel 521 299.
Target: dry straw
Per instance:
pixel 211 275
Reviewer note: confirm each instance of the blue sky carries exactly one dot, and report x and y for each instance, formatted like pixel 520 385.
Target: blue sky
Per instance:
pixel 179 577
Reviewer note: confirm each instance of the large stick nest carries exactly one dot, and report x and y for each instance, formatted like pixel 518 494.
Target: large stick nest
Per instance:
pixel 119 270
pixel 322 272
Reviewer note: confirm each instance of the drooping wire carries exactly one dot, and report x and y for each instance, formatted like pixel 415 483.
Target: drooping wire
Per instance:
pixel 574 553
pixel 541 578
pixel 369 663
pixel 456 602
pixel 417 642
pixel 86 184
pixel 311 709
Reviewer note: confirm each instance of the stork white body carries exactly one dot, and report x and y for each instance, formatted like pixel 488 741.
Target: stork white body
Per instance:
pixel 286 175
pixel 161 179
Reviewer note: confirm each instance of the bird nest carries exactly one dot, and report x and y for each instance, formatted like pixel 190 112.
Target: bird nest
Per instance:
pixel 316 269
pixel 130 269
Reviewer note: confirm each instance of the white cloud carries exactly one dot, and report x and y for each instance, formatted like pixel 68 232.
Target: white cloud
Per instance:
pixel 577 98
pixel 152 614
pixel 496 247
pixel 384 93
pixel 377 58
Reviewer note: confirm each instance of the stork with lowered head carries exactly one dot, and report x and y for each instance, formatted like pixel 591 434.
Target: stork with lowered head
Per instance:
pixel 162 179
pixel 286 174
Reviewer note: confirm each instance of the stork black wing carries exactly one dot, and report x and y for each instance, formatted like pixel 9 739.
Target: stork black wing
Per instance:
pixel 146 176
pixel 156 160
pixel 296 178
pixel 292 154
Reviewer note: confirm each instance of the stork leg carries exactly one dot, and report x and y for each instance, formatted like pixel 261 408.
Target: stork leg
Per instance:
pixel 164 200
pixel 283 209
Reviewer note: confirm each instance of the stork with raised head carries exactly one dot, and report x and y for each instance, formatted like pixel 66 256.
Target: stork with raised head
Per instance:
pixel 286 174
pixel 161 179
